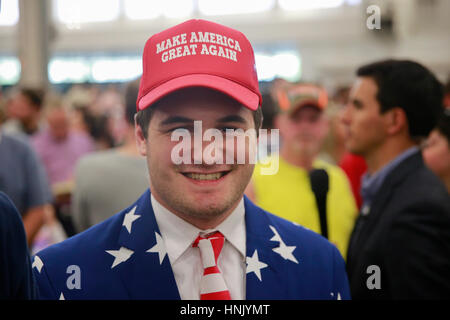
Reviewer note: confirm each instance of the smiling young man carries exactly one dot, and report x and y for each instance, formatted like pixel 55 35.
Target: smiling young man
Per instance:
pixel 400 247
pixel 193 235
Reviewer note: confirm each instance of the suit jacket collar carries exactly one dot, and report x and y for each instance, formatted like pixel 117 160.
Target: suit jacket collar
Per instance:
pixel 371 183
pixel 396 176
pixel 259 237
pixel 148 275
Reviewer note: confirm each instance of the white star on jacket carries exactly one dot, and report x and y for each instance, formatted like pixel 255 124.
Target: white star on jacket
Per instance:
pixel 37 262
pixel 254 265
pixel 129 218
pixel 283 250
pixel 121 255
pixel 159 247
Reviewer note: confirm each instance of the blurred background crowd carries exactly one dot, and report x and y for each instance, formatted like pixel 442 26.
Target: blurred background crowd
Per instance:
pixel 69 76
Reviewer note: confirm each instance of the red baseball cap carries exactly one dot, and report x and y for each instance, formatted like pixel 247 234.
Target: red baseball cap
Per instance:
pixel 199 53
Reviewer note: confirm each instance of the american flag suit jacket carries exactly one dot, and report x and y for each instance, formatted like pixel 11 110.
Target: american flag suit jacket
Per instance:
pixel 124 258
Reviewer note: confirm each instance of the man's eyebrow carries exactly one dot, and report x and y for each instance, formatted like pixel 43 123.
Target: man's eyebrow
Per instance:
pixel 176 119
pixel 232 118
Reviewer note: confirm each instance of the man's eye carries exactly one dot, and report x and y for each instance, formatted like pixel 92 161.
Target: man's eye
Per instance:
pixel 231 129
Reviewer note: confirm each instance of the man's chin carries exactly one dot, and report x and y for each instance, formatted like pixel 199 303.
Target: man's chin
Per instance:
pixel 354 150
pixel 205 210
pixel 210 204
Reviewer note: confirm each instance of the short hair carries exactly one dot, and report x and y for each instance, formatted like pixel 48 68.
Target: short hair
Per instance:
pixel 411 87
pixel 53 101
pixel 131 93
pixel 447 86
pixel 35 96
pixel 269 110
pixel 143 117
pixel 443 125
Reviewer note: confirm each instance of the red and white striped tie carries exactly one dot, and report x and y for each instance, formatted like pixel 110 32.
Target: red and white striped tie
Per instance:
pixel 212 286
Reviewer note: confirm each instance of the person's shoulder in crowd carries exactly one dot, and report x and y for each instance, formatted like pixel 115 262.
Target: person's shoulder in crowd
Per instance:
pixel 420 187
pixel 107 160
pixel 338 182
pixel 332 169
pixel 12 127
pixel 97 157
pixel 337 177
pixel 18 142
pixel 16 278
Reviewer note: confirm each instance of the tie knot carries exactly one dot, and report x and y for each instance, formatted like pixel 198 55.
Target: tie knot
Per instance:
pixel 212 286
pixel 210 247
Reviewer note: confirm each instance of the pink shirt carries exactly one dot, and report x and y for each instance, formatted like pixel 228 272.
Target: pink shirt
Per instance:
pixel 61 157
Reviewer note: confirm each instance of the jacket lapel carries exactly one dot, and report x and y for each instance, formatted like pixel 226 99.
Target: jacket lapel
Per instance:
pixel 265 274
pixel 148 273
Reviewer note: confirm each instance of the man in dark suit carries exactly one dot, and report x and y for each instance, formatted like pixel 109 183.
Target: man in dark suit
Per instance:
pixel 195 235
pixel 400 246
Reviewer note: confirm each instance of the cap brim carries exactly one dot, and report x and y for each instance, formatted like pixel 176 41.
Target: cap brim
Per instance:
pixel 236 91
pixel 305 104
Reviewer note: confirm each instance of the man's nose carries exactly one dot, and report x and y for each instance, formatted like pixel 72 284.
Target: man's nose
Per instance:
pixel 346 115
pixel 210 151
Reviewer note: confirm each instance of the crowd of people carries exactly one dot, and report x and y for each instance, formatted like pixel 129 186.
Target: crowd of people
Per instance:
pixel 366 166
pixel 44 137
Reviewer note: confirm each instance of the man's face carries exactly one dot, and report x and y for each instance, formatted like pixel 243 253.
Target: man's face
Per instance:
pixel 58 124
pixel 195 190
pixel 304 130
pixel 21 107
pixel 366 127
pixel 437 154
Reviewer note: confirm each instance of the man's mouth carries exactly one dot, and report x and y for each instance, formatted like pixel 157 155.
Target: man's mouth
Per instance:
pixel 205 176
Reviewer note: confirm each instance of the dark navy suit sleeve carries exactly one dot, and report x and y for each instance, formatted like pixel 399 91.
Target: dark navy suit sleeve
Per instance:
pixel 16 277
pixel 341 285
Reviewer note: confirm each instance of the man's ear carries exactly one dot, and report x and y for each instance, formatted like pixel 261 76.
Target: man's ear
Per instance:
pixel 141 142
pixel 396 121
pixel 279 122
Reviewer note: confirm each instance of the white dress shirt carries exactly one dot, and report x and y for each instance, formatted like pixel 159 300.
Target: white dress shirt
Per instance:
pixel 178 236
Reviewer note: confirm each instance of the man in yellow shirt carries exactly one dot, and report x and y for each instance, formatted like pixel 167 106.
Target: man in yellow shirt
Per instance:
pixel 288 193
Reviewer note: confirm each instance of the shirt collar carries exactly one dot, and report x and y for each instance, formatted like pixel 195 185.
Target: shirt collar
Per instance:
pixel 178 234
pixel 372 183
